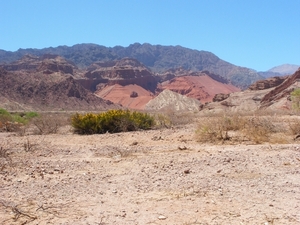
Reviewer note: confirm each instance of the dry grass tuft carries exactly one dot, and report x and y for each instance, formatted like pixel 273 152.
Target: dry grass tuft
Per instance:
pixel 50 123
pixel 233 128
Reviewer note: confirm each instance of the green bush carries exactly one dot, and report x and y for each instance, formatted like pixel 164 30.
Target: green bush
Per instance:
pixel 12 121
pixel 23 118
pixel 5 116
pixel 112 121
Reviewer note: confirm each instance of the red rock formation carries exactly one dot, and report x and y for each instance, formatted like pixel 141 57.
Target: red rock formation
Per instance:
pixel 203 88
pixel 123 95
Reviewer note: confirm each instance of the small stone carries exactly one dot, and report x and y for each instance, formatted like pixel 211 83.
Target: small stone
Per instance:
pixel 161 217
pixel 182 148
pixel 134 143
pixel 187 171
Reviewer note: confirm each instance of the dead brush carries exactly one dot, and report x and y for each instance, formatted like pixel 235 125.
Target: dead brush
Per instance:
pixel 49 123
pixel 3 152
pixel 5 158
pixel 257 129
pixel 294 126
pixel 213 130
pixel 169 118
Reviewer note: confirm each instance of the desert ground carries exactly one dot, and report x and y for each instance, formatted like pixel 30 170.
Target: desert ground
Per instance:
pixel 162 176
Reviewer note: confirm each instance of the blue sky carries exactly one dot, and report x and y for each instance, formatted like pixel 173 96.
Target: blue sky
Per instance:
pixel 257 34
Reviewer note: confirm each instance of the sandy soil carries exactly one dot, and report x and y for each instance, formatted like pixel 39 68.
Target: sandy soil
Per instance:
pixel 146 177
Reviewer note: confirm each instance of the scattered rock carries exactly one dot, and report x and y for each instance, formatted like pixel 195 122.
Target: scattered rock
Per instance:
pixel 161 217
pixel 182 148
pixel 134 143
pixel 187 171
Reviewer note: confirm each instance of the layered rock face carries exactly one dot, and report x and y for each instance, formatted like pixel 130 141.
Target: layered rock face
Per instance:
pixel 47 64
pixel 129 96
pixel 283 90
pixel 123 72
pixel 200 86
pixel 51 64
pixel 267 83
pixel 50 82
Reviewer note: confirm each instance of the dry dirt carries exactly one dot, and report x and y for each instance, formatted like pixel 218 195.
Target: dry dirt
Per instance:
pixel 146 177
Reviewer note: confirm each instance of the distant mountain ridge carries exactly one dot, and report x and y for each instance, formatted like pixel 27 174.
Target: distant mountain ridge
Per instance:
pixel 285 69
pixel 282 70
pixel 156 57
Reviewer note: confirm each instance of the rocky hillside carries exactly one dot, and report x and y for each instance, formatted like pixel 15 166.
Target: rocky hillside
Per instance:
pixel 169 100
pixel 124 72
pixel 270 94
pixel 45 83
pixel 282 91
pixel 156 57
pixel 197 85
pixel 51 82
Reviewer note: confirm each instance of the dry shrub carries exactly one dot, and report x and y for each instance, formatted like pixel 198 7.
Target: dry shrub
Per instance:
pixel 258 129
pixel 162 121
pixel 49 123
pixel 169 118
pixel 214 129
pixel 294 126
pixel 5 158
pixel 235 127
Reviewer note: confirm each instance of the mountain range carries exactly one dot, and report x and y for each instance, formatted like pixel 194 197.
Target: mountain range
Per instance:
pixel 93 77
pixel 158 58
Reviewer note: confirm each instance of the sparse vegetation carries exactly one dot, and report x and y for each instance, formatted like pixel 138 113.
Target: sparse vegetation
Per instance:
pixel 295 95
pixel 49 123
pixel 237 128
pixel 112 121
pixel 13 121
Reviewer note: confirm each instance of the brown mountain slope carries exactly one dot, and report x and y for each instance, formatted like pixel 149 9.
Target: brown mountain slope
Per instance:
pixel 282 92
pixel 124 72
pixel 45 83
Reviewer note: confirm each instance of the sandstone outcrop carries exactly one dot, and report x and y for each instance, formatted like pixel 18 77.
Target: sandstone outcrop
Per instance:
pixel 199 86
pixel 283 90
pixel 220 97
pixel 129 96
pixel 123 72
pixel 46 63
pixel 267 83
pixel 52 64
pixel 173 101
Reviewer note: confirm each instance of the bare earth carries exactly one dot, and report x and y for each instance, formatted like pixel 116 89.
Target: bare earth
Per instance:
pixel 146 177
